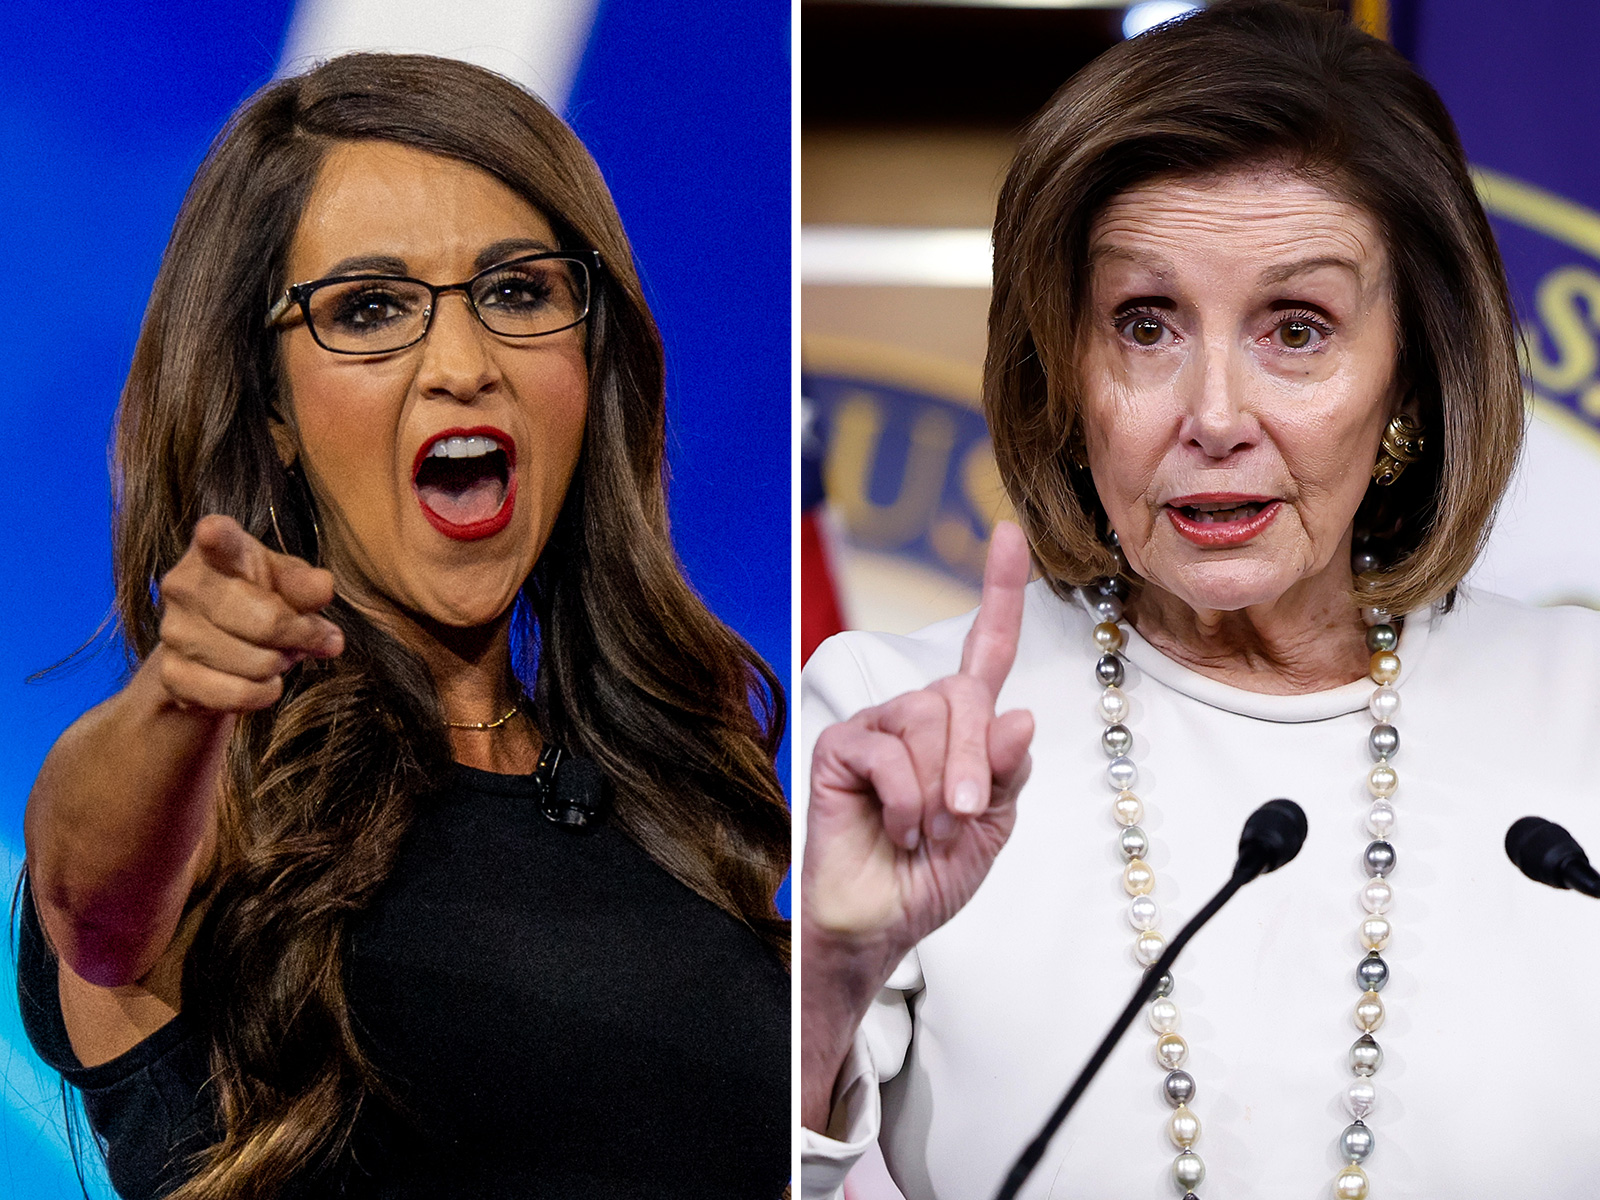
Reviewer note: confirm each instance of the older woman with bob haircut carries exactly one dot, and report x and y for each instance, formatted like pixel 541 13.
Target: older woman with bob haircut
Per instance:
pixel 430 850
pixel 1253 387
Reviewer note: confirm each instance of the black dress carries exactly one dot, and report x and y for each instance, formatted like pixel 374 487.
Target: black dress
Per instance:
pixel 559 1017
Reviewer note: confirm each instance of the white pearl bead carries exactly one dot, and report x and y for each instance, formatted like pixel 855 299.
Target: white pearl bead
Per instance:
pixel 1384 704
pixel 1383 780
pixel 1147 947
pixel 1351 1184
pixel 1375 932
pixel 1127 809
pixel 1163 1015
pixel 1380 818
pixel 1171 1051
pixel 1183 1127
pixel 1121 774
pixel 1137 878
pixel 1361 1098
pixel 1113 705
pixel 1143 913
pixel 1377 896
pixel 1369 1012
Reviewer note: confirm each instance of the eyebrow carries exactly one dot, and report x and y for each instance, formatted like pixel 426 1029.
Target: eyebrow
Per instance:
pixel 367 264
pixel 388 264
pixel 1139 258
pixel 505 248
pixel 1287 271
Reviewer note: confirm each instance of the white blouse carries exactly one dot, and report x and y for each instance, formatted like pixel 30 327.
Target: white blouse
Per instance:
pixel 1490 1084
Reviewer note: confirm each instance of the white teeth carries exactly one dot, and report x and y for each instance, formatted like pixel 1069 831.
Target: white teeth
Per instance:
pixel 463 447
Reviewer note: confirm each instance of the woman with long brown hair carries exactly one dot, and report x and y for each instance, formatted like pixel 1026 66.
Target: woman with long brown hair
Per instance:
pixel 431 847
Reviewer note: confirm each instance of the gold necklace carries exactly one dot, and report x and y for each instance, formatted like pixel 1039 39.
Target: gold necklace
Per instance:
pixel 484 726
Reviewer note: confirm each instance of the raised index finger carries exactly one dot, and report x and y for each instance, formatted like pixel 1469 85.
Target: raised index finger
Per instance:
pixel 991 644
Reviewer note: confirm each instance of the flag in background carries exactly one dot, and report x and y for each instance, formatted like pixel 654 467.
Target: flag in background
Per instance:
pixel 820 616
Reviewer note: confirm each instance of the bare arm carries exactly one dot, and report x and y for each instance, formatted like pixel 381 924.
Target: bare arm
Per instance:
pixel 910 803
pixel 121 821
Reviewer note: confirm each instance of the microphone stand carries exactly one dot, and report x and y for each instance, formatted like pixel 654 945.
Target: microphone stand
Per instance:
pixel 1243 873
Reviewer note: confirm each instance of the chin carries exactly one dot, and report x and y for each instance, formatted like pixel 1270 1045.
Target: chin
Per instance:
pixel 1228 586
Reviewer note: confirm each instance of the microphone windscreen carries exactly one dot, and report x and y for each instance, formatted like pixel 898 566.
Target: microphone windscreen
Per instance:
pixel 1542 849
pixel 1272 836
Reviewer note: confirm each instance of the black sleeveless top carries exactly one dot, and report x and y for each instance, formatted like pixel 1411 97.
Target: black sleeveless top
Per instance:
pixel 558 1016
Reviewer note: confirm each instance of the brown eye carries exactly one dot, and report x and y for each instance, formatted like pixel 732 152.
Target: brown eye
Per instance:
pixel 1296 335
pixel 1146 331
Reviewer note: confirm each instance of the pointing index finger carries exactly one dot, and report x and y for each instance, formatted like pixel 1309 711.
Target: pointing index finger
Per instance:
pixel 991 644
pixel 227 548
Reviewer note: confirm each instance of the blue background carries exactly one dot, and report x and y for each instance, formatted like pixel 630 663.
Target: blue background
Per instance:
pixel 106 113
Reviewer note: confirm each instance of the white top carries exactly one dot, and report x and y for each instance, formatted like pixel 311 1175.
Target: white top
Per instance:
pixel 1490 1085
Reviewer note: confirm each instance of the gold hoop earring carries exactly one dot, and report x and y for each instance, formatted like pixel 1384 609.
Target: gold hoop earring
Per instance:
pixel 283 546
pixel 293 473
pixel 1403 444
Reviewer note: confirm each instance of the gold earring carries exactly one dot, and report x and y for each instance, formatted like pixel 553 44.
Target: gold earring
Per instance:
pixel 1403 444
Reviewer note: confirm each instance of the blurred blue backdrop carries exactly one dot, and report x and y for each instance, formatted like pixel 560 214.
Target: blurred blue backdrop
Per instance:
pixel 107 112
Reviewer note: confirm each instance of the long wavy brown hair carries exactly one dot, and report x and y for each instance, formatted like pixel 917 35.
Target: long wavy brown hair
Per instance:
pixel 624 663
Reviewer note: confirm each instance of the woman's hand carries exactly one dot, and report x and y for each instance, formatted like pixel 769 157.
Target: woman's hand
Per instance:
pixel 122 819
pixel 912 800
pixel 910 803
pixel 235 616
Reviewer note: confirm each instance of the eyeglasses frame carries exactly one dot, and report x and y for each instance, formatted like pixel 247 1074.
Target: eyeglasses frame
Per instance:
pixel 300 294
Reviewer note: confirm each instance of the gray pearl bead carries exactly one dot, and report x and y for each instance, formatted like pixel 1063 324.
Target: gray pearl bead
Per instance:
pixel 1382 637
pixel 1384 741
pixel 1107 609
pixel 1109 670
pixel 1379 858
pixel 1133 841
pixel 1356 1142
pixel 1112 585
pixel 1163 986
pixel 1112 539
pixel 1178 1087
pixel 1188 1170
pixel 1372 973
pixel 1366 1056
pixel 1117 740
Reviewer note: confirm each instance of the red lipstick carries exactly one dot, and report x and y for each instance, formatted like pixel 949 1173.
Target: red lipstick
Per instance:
pixel 1217 520
pixel 488 526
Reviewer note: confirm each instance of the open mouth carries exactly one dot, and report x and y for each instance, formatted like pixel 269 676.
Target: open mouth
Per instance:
pixel 1210 514
pixel 465 482
pixel 1220 521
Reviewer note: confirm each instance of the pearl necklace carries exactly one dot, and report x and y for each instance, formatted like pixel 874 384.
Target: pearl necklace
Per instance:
pixel 1138 880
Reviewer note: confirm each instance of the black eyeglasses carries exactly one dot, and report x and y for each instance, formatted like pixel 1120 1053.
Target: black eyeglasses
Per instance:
pixel 531 296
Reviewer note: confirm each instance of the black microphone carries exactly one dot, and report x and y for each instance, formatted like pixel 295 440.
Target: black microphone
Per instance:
pixel 1272 836
pixel 1547 853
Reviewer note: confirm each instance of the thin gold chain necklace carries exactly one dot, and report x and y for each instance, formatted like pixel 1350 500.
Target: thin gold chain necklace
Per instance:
pixel 481 726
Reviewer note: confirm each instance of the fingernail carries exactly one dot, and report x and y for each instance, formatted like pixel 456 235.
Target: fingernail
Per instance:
pixel 913 836
pixel 966 798
pixel 941 826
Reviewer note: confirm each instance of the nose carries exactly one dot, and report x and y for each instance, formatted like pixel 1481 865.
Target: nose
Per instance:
pixel 1218 418
pixel 456 360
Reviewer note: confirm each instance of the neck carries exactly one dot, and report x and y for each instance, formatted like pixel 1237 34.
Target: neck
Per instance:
pixel 471 669
pixel 1309 639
